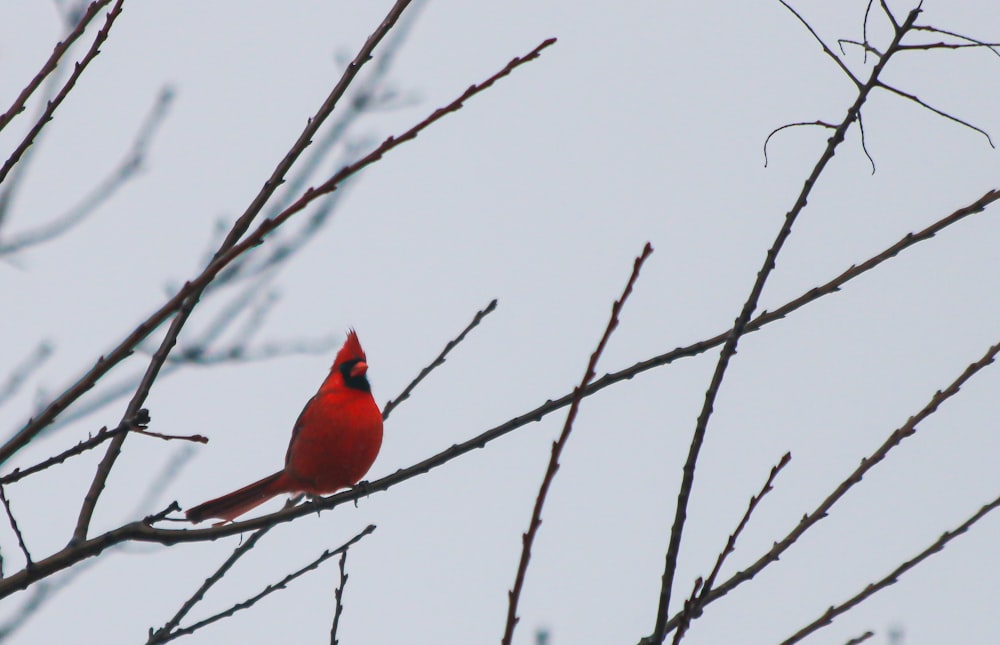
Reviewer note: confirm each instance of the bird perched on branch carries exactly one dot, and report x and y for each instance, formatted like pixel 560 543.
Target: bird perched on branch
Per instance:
pixel 334 442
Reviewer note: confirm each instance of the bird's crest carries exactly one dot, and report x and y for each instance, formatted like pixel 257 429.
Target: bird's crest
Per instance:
pixel 351 350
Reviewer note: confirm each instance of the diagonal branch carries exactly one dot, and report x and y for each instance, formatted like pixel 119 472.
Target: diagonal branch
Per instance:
pixel 338 596
pixel 437 362
pixel 53 61
pixel 826 50
pixel 56 101
pixel 933 109
pixel 893 577
pixel 692 606
pixel 557 447
pixel 268 590
pixel 159 636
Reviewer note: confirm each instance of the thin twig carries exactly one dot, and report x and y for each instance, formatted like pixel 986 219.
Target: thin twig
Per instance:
pixel 860 639
pixel 196 438
pixel 102 435
pixel 933 109
pixel 437 362
pixel 53 62
pixel 893 577
pixel 945 32
pixel 159 636
pixel 692 606
pixel 281 584
pixel 826 50
pixel 56 101
pixel 557 447
pixel 687 610
pixel 739 328
pixel 136 423
pixel 338 595
pixel 17 531
pixel 775 131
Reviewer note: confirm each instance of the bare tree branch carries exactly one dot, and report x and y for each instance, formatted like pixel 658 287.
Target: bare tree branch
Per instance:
pixel 697 599
pixel 826 50
pixel 557 447
pixel 28 563
pixel 338 595
pixel 52 63
pixel 95 49
pixel 281 584
pixel 161 635
pixel 860 639
pixel 439 361
pixel 933 109
pixel 893 577
pixel 894 439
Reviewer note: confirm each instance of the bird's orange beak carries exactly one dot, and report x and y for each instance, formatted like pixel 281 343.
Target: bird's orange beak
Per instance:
pixel 359 369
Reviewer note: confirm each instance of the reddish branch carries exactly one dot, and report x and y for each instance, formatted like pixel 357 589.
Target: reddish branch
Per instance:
pixel 557 447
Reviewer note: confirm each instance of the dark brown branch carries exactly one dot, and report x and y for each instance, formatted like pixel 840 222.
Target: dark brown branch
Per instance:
pixel 739 328
pixel 103 435
pixel 933 109
pixel 437 362
pixel 894 439
pixel 557 447
pixel 826 50
pixel 281 584
pixel 694 603
pixel 687 610
pixel 28 564
pixel 136 423
pixel 338 596
pixel 793 125
pixel 977 43
pixel 53 62
pixel 892 18
pixel 195 438
pixel 56 101
pixel 159 636
pixel 860 639
pixel 892 577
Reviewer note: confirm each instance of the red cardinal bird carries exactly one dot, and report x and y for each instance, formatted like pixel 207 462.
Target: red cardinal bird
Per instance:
pixel 334 442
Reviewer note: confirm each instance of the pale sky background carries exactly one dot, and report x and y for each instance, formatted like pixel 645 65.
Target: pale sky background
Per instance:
pixel 644 122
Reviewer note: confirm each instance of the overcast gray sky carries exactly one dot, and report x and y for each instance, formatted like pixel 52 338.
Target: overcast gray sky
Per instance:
pixel 645 121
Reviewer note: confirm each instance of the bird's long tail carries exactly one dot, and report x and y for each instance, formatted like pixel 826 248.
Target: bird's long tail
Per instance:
pixel 229 507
